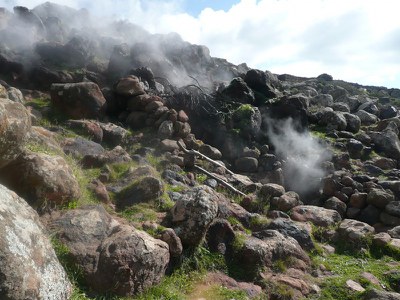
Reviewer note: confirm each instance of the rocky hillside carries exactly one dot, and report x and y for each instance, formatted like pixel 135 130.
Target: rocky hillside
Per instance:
pixel 137 166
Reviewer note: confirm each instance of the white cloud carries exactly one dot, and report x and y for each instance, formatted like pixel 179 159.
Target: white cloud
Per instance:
pixel 354 40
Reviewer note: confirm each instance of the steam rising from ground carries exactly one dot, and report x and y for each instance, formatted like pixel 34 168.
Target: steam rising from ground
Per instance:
pixel 302 154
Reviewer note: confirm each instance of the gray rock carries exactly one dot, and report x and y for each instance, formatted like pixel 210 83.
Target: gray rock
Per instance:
pixel 29 268
pixel 379 198
pixel 317 215
pixel 15 125
pixel 79 147
pixel 289 228
pixel 15 95
pixel 169 236
pixel 323 100
pixel 340 106
pixel 166 129
pixel 266 249
pixel 238 91
pixel 394 232
pixel 355 231
pixel 353 122
pixel 393 208
pixel 366 118
pixel 388 142
pixel 193 213
pixel 130 261
pixel 333 120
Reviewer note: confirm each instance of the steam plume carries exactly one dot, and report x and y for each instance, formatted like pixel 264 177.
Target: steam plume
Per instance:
pixel 302 155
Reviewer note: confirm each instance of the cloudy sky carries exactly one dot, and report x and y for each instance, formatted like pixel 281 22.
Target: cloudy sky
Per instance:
pixel 353 40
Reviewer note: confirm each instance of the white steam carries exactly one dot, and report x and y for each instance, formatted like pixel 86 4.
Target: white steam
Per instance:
pixel 302 155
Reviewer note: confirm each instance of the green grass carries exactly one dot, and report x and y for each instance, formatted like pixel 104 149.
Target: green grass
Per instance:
pixel 140 212
pixel 345 267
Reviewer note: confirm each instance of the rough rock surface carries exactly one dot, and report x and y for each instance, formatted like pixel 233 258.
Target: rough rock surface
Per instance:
pixel 193 213
pixel 43 179
pixel 79 100
pixel 317 215
pixel 29 268
pixel 130 261
pixel 15 123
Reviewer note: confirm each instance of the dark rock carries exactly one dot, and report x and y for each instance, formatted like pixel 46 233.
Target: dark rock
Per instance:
pixel 268 162
pixel 78 100
pixel 210 151
pixel 247 164
pixel 144 190
pixel 333 120
pixel 388 112
pixel 366 118
pixel 374 294
pixel 394 232
pixel 389 220
pixel 238 91
pixel 370 215
pixel 260 82
pixel 353 122
pixel 379 198
pixel 358 200
pixel 393 208
pixel 87 128
pixel 220 235
pixel 289 228
pixel 29 268
pixel 79 147
pixel 114 135
pixel 355 148
pixel 388 142
pixel 325 77
pixel 340 106
pixel 336 204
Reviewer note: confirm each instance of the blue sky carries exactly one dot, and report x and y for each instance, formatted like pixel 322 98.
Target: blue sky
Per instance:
pixel 194 7
pixel 357 40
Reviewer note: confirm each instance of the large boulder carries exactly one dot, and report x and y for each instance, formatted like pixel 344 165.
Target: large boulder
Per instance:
pixel 262 83
pixel 290 228
pixel 43 179
pixel 143 190
pixel 193 213
pixel 333 120
pixel 317 215
pixel 130 261
pixel 388 142
pixel 355 231
pixel 238 91
pixel 113 258
pixel 253 253
pixel 380 198
pixel 15 123
pixel 29 268
pixel 79 100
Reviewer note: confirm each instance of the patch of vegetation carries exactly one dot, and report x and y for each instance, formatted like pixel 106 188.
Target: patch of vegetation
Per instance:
pixel 39 103
pixel 345 267
pixel 238 242
pixel 74 273
pixel 279 291
pixel 139 213
pixel 181 282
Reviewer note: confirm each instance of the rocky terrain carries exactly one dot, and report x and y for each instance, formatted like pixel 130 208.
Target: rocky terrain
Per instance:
pixel 137 166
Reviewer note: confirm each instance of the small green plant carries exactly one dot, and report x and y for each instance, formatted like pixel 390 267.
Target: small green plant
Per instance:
pixel 238 242
pixel 140 212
